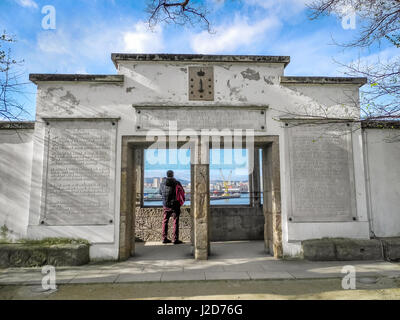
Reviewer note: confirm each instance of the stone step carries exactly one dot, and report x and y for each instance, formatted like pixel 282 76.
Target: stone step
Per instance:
pixel 341 249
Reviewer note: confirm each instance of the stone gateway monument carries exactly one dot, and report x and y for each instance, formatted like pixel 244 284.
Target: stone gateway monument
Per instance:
pixel 79 168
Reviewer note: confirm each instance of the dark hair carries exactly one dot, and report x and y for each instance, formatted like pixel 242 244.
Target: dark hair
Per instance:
pixel 170 174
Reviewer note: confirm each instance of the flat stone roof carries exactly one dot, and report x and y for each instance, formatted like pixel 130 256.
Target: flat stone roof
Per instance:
pixel 367 124
pixel 43 77
pixel 324 80
pixel 381 124
pixel 157 57
pixel 8 125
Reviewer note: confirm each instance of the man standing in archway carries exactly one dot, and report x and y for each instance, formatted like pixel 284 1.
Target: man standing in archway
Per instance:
pixel 173 197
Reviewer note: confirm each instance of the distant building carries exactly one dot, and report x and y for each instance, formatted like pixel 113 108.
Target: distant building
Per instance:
pixel 156 183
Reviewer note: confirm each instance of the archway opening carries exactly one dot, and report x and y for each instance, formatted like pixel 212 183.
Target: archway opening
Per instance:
pixel 260 213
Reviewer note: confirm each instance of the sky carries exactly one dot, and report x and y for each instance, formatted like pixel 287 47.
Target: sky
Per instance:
pixel 88 31
pixel 233 163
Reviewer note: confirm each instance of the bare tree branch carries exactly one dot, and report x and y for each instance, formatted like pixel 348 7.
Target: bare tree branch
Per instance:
pixel 11 85
pixel 380 18
pixel 181 13
pixel 380 21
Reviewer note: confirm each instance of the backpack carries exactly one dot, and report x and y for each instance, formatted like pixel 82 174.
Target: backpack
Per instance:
pixel 171 194
pixel 180 194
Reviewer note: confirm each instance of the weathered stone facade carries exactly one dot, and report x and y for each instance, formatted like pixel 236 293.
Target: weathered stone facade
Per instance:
pixel 149 224
pixel 332 249
pixel 29 256
pixel 227 224
pixel 236 223
pixel 248 93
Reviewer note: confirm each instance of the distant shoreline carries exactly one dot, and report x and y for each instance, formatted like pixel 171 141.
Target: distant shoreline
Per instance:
pixel 212 198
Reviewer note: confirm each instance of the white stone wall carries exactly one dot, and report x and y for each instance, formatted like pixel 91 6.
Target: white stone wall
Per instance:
pixel 165 85
pixel 383 163
pixel 295 232
pixel 15 179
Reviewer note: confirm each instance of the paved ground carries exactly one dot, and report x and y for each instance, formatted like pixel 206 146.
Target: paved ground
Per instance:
pixel 229 261
pixel 316 289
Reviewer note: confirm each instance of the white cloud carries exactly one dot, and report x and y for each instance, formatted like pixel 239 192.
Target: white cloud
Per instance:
pixel 232 37
pixel 283 8
pixel 69 50
pixel 66 51
pixel 385 56
pixel 310 54
pixel 53 42
pixel 314 55
pixel 27 3
pixel 143 40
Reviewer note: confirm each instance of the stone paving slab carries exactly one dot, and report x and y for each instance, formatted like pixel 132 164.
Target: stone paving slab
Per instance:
pixel 183 276
pixel 264 275
pixel 291 271
pixel 125 271
pixel 20 271
pixel 93 278
pixel 143 277
pixel 381 269
pixel 300 274
pixel 204 268
pixel 243 264
pixel 29 278
pixel 163 269
pixel 64 280
pixel 232 275
pixel 244 267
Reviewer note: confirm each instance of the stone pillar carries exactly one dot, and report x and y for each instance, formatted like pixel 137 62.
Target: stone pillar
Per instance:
pixel 254 178
pixel 127 205
pixel 267 200
pixel 139 176
pixel 276 200
pixel 201 200
pixel 272 199
pixel 138 188
pixel 191 199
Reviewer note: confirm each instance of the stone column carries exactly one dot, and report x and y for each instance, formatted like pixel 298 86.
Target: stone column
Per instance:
pixel 201 200
pixel 254 178
pixel 127 205
pixel 267 200
pixel 139 176
pixel 276 200
pixel 272 199
pixel 191 198
pixel 138 189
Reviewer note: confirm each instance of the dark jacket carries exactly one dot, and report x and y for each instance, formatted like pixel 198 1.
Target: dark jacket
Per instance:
pixel 168 182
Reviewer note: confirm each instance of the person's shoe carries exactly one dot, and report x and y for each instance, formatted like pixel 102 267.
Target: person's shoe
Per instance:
pixel 166 241
pixel 178 242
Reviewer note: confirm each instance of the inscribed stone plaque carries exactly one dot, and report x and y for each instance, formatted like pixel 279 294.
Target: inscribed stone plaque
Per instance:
pixel 201 118
pixel 321 173
pixel 79 173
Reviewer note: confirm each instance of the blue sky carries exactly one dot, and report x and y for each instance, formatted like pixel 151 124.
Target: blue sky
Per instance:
pixel 234 163
pixel 88 31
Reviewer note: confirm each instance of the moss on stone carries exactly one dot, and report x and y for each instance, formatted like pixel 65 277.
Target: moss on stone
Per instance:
pixel 51 251
pixel 52 241
pixel 342 249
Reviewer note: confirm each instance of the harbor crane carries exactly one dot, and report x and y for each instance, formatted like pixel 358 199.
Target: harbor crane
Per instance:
pixel 226 182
